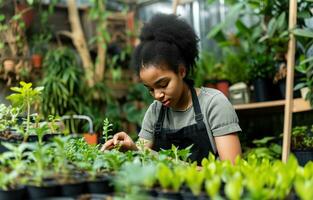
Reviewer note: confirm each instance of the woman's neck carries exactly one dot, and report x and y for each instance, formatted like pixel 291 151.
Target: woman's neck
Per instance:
pixel 186 99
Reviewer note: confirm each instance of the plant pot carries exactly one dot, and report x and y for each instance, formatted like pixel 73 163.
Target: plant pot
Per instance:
pixel 50 189
pixel 27 13
pixel 73 189
pixel 168 195
pixel 18 193
pixel 303 156
pixel 304 91
pixel 91 138
pixel 223 86
pixel 261 90
pixel 37 61
pixel 186 195
pixel 101 185
pixel 8 65
pixel 151 192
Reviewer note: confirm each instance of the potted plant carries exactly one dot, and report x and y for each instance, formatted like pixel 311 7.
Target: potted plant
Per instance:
pixel 24 97
pixel 169 182
pixel 255 45
pixel 13 166
pixel 41 183
pixel 305 66
pixel 39 47
pixel 302 143
pixel 63 83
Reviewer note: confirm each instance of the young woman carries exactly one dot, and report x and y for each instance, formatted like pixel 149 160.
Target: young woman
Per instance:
pixel 181 114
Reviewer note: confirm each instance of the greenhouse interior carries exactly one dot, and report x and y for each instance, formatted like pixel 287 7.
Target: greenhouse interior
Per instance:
pixel 156 99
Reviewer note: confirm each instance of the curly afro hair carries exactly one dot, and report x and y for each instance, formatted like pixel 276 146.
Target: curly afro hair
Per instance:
pixel 168 40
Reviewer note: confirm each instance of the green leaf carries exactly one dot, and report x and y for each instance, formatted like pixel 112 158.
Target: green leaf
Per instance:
pixel 2 17
pixel 303 32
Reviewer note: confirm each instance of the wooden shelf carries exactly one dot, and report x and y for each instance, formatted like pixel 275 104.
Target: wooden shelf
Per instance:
pixel 299 105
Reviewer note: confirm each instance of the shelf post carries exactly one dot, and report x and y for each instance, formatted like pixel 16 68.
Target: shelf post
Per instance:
pixel 289 81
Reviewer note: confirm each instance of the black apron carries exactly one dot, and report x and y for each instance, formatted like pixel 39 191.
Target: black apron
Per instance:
pixel 195 134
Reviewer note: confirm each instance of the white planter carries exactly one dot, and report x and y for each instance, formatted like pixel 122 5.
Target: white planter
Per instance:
pixel 304 91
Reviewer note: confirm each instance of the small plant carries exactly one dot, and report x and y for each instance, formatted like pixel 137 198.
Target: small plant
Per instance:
pixel 41 157
pixel 212 187
pixel 302 137
pixel 194 179
pixel 107 128
pixel 8 116
pixel 177 154
pixel 234 187
pixel 14 165
pixel 24 97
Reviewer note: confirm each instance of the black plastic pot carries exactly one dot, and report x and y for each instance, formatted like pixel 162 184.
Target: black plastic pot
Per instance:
pixel 151 192
pixel 74 189
pixel 168 195
pixel 261 90
pixel 50 189
pixel 303 156
pixel 102 185
pixel 18 193
pixel 187 195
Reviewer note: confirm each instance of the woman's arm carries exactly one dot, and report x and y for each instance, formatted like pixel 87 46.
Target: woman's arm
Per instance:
pixel 228 146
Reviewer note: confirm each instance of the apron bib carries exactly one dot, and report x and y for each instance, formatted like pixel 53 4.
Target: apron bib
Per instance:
pixel 195 134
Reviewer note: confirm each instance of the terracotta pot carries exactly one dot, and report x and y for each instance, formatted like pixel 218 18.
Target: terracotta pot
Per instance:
pixel 91 138
pixel 8 65
pixel 223 86
pixel 36 60
pixel 28 13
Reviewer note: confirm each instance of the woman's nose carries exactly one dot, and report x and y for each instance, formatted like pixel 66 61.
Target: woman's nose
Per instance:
pixel 158 94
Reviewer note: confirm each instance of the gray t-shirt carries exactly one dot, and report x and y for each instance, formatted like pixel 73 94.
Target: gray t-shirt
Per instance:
pixel 219 116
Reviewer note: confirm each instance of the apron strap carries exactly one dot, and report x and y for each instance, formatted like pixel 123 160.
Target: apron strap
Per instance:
pixel 159 124
pixel 196 105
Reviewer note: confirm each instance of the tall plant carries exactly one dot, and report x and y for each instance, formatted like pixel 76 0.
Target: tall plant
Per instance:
pixel 24 97
pixel 63 83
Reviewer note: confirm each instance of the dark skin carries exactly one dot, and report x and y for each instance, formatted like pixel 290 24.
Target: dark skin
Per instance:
pixel 171 90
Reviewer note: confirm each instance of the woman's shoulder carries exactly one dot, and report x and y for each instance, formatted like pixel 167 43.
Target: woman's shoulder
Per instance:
pixel 212 96
pixel 209 92
pixel 155 106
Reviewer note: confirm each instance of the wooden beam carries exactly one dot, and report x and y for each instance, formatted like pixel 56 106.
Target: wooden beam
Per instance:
pixel 175 5
pixel 289 81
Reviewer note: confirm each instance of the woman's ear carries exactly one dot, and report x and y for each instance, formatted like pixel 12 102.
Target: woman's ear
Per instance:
pixel 182 70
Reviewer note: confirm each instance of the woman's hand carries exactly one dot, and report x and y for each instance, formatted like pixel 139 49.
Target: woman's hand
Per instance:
pixel 121 140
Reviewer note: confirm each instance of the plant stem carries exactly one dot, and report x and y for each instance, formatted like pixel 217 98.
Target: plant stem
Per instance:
pixel 27 122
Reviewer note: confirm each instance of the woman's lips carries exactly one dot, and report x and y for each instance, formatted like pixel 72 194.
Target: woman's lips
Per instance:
pixel 166 103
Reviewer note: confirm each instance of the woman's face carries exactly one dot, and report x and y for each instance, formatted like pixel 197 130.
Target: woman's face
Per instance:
pixel 165 85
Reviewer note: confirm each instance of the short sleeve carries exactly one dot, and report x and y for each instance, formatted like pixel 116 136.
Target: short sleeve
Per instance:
pixel 222 116
pixel 149 120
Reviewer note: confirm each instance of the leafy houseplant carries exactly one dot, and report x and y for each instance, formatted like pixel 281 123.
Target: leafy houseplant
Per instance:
pixel 39 47
pixel 63 83
pixel 302 143
pixel 305 66
pixel 138 99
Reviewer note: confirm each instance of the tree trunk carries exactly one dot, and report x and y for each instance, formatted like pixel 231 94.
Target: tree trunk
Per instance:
pixel 79 41
pixel 101 49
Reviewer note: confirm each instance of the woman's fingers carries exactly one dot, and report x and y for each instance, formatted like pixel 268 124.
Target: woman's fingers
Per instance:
pixel 108 145
pixel 120 140
pixel 117 138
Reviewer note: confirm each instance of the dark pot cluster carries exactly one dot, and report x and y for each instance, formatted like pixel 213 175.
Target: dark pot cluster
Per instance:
pixel 50 189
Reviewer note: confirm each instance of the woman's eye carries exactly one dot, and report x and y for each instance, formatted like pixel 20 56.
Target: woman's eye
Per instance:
pixel 163 85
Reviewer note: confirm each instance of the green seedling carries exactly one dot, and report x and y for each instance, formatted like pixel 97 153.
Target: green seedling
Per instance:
pixel 24 97
pixel 107 128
